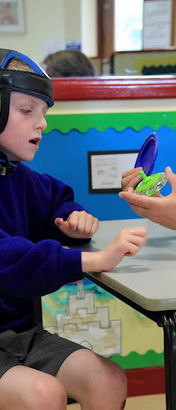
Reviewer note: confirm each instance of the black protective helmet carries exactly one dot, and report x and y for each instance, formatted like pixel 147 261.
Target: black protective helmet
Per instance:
pixel 37 83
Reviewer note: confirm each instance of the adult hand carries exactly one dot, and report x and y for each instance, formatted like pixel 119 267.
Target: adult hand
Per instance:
pixel 131 178
pixel 126 243
pixel 161 210
pixel 79 224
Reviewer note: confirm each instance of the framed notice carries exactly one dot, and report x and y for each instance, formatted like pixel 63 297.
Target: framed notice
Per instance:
pixel 12 16
pixel 105 169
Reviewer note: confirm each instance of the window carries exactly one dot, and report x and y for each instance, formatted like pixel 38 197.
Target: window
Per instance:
pixel 128 25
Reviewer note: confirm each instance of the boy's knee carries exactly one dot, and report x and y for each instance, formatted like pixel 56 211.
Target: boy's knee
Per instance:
pixel 114 384
pixel 113 379
pixel 108 384
pixel 49 394
pixel 105 369
pixel 118 377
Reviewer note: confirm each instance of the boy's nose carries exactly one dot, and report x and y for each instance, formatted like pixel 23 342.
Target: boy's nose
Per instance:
pixel 42 124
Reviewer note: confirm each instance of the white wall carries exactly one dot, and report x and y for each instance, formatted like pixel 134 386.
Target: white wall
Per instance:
pixel 49 25
pixel 89 27
pixel 72 20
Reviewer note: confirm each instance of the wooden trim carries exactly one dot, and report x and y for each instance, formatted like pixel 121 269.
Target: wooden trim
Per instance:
pixel 100 33
pixel 147 50
pixel 105 24
pixel 114 88
pixel 173 28
pixel 146 381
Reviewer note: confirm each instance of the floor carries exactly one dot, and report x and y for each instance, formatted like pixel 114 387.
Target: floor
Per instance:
pixel 155 402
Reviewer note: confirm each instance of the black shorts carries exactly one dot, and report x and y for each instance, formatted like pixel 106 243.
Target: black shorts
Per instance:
pixel 35 348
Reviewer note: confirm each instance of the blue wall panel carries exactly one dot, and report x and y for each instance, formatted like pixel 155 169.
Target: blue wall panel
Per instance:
pixel 65 157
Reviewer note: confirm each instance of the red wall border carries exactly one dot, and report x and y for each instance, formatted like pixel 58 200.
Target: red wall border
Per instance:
pixel 146 381
pixel 114 88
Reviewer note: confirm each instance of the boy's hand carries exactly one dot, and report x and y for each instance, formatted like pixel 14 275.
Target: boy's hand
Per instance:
pixel 79 224
pixel 130 178
pixel 127 243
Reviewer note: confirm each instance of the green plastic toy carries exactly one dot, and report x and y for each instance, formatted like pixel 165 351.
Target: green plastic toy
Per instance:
pixel 152 184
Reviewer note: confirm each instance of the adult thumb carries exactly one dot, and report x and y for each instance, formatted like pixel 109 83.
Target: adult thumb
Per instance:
pixel 171 177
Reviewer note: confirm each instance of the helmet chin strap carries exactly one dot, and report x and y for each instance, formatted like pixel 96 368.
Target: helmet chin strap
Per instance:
pixel 6 166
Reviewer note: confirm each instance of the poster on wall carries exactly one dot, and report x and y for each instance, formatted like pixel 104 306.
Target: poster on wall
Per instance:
pixel 12 16
pixel 157 24
pixel 86 314
pixel 105 169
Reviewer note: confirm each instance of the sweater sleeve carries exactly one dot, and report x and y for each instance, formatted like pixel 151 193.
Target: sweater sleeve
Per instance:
pixel 47 199
pixel 30 270
pixel 63 204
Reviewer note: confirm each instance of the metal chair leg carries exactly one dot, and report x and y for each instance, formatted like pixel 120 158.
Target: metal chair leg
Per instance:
pixel 169 328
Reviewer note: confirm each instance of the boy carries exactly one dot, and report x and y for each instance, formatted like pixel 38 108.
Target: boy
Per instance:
pixel 38 215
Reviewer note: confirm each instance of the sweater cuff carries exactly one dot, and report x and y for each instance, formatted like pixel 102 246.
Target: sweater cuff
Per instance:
pixel 72 266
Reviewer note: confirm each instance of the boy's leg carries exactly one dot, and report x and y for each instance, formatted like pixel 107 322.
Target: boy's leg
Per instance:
pixel 23 388
pixel 95 382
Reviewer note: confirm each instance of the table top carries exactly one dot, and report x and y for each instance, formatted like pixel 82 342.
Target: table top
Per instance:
pixel 149 278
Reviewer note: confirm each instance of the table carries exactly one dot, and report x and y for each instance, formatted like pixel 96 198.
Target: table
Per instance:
pixel 147 283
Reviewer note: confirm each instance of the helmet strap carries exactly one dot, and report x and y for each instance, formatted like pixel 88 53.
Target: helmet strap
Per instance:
pixel 6 166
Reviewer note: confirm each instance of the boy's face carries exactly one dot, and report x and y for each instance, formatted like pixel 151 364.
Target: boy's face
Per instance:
pixel 20 139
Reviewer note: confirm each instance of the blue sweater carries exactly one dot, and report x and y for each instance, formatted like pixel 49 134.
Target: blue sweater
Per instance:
pixel 32 260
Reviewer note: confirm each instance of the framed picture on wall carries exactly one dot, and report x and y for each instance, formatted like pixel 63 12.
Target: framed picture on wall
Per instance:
pixel 105 169
pixel 12 16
